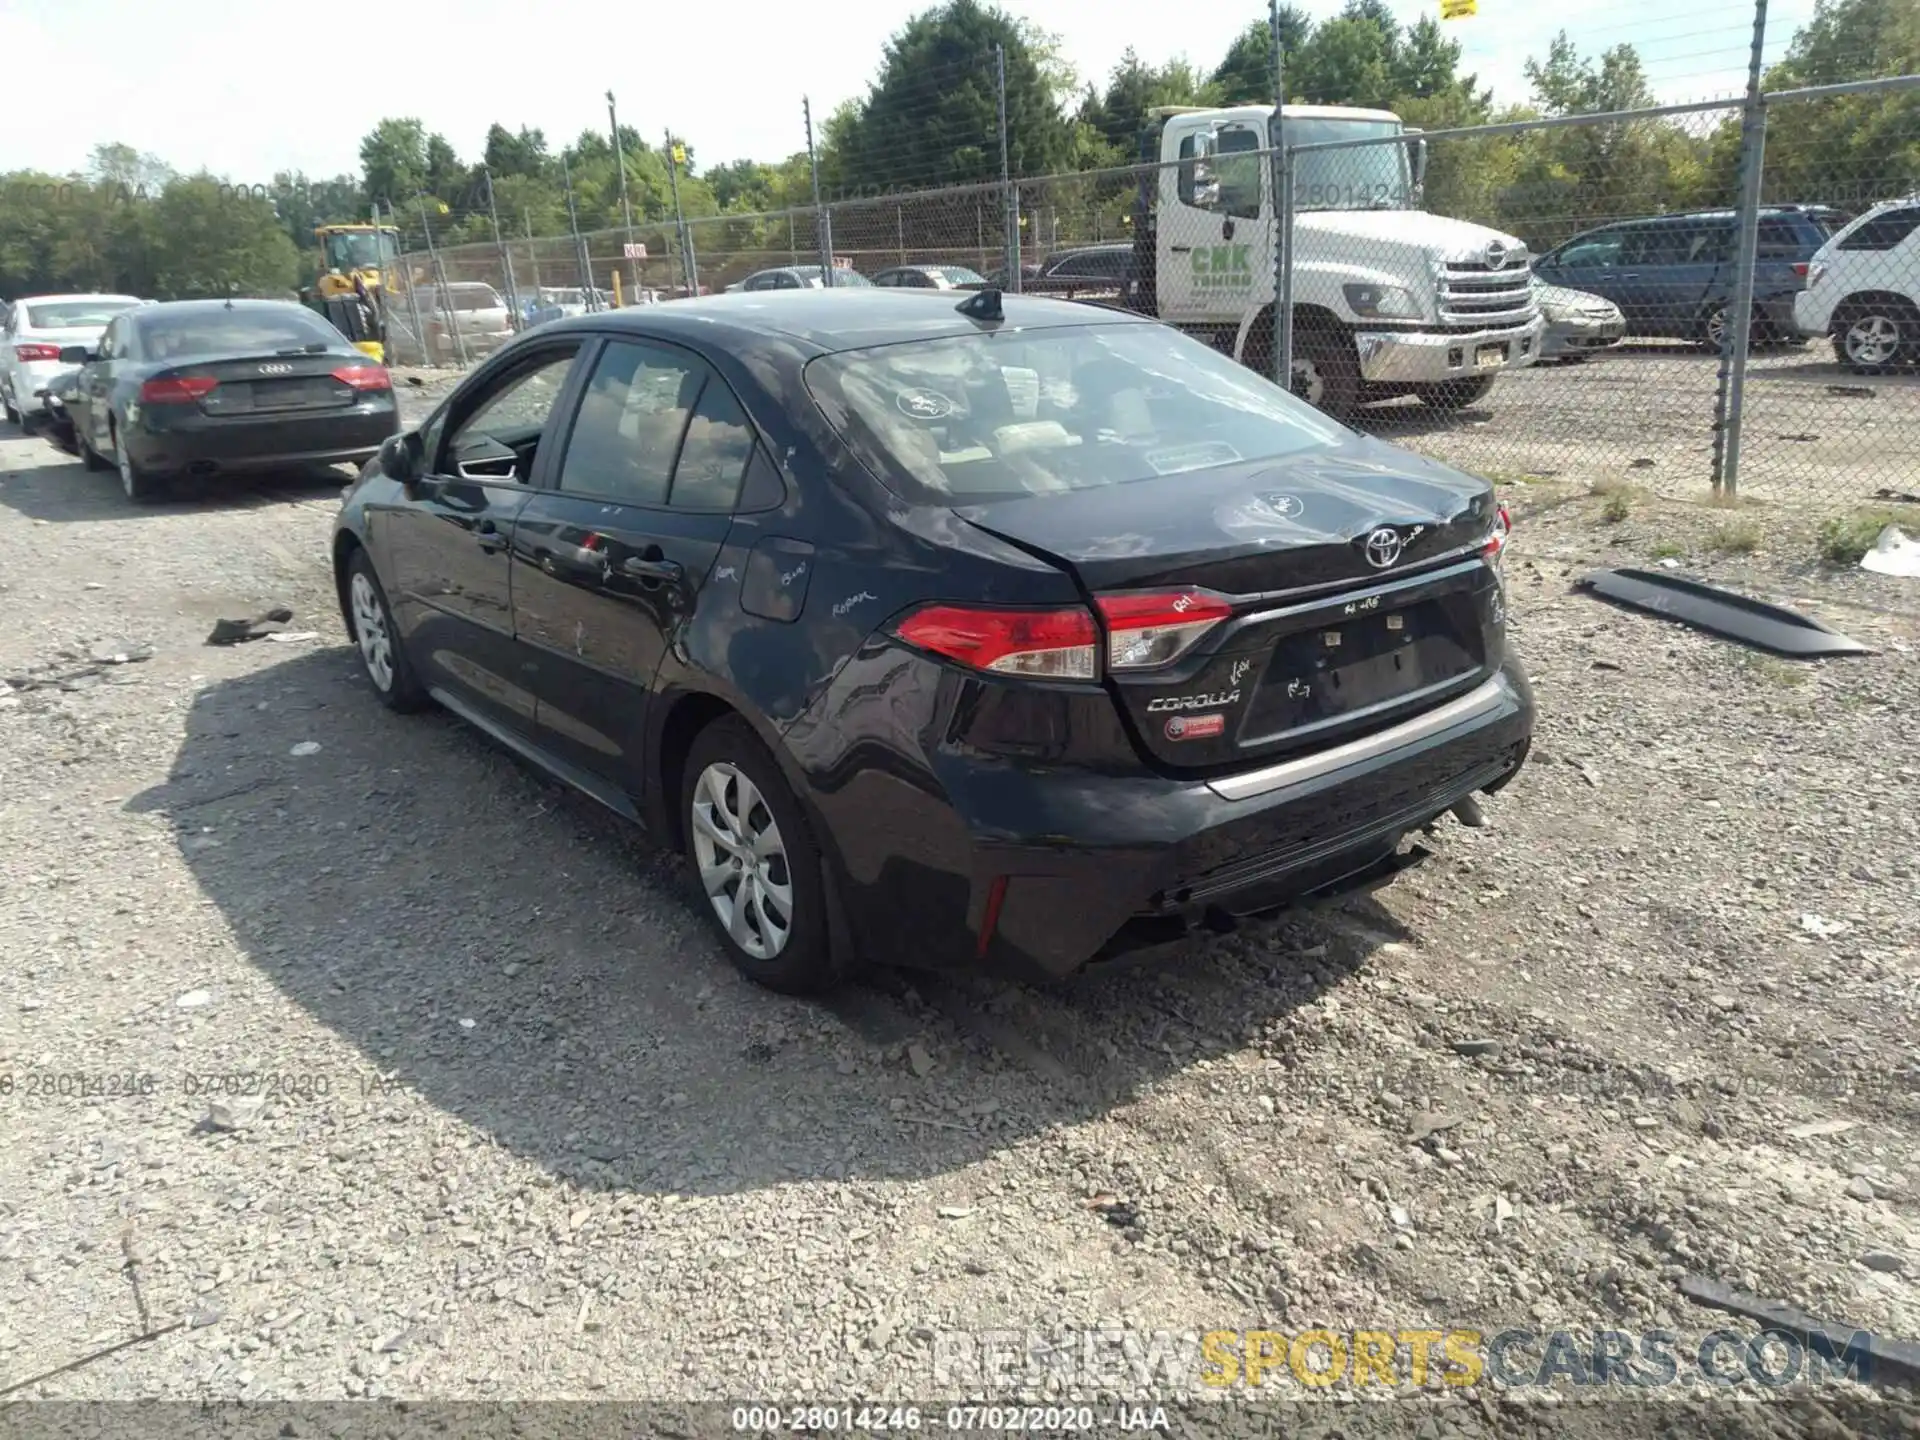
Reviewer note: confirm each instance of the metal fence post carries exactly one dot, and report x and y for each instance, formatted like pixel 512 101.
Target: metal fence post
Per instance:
pixel 1282 213
pixel 687 265
pixel 506 254
pixel 446 293
pixel 822 220
pixel 582 266
pixel 1737 330
pixel 1006 175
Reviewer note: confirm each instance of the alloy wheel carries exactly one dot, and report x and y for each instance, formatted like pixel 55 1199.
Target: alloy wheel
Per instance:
pixel 742 860
pixel 1308 383
pixel 1873 340
pixel 370 630
pixel 1717 329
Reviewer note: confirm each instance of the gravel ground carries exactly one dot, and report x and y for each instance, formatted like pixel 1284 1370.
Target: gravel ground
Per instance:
pixel 1812 433
pixel 531 1137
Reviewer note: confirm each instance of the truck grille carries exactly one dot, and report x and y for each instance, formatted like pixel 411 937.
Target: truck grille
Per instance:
pixel 1476 297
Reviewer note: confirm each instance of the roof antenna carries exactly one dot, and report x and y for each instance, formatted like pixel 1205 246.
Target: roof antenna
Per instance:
pixel 983 304
pixel 233 289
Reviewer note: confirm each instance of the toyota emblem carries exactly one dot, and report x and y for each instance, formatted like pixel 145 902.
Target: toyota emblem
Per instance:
pixel 1383 547
pixel 1496 255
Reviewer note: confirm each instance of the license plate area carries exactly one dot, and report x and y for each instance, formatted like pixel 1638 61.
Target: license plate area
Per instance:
pixel 1490 357
pixel 1351 664
pixel 255 397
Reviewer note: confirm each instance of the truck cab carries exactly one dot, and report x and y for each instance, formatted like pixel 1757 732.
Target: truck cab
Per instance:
pixel 1387 300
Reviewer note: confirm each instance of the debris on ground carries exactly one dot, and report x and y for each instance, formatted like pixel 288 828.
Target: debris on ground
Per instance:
pixel 1894 553
pixel 236 632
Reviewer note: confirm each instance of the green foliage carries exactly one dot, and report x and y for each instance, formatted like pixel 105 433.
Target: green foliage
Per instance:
pixel 930 119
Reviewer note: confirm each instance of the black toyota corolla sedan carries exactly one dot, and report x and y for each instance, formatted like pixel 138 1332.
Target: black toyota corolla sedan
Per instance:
pixel 213 387
pixel 1008 633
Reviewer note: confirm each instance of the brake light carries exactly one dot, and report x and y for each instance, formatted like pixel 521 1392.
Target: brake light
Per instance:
pixel 177 390
pixel 1496 545
pixel 1815 270
pixel 1039 644
pixel 1801 270
pixel 1157 627
pixel 364 377
pixel 28 354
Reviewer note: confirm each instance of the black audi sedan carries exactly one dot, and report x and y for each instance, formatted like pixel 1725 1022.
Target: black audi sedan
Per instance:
pixel 214 387
pixel 1010 633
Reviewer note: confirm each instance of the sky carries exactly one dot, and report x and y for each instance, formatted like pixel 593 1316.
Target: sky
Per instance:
pixel 236 92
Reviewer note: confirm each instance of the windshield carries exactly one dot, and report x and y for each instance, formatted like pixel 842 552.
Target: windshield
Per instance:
pixel 361 250
pixel 284 330
pixel 973 418
pixel 842 279
pixel 75 314
pixel 1364 177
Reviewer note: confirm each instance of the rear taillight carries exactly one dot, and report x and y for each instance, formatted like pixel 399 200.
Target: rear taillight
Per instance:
pixel 364 377
pixel 178 390
pixel 1157 627
pixel 1495 548
pixel 1814 271
pixel 28 354
pixel 1039 644
pixel 1801 270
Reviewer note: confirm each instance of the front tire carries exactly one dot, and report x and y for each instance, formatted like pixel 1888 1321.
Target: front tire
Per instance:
pixel 6 404
pixel 383 659
pixel 752 862
pixel 1456 394
pixel 1326 372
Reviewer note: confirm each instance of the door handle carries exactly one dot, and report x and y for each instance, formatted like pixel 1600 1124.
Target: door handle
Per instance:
pixel 1181 249
pixel 669 572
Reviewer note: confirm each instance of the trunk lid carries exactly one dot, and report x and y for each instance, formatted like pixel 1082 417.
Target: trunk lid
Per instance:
pixel 269 384
pixel 1358 591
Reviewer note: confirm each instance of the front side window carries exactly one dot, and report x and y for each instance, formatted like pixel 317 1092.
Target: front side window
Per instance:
pixel 632 420
pixel 508 423
pixel 1595 252
pixel 1883 232
pixel 973 418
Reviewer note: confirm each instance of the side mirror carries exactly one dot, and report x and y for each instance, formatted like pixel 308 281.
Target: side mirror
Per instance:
pixel 1206 183
pixel 1419 159
pixel 77 355
pixel 400 457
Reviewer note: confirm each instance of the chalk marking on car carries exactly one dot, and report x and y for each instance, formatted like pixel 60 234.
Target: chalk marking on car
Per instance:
pixel 852 600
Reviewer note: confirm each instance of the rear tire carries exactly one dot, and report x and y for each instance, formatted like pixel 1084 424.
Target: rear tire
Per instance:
pixel 1456 394
pixel 1326 372
pixel 89 457
pixel 1873 337
pixel 753 866
pixel 140 487
pixel 6 404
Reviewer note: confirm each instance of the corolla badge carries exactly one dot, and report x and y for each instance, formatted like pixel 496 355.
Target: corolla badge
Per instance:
pixel 1383 547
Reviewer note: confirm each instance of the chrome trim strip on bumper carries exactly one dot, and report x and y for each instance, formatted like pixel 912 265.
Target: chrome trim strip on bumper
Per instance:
pixel 1492 695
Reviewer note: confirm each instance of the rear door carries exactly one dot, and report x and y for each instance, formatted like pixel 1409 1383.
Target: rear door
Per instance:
pixel 1672 270
pixel 448 543
pixel 614 548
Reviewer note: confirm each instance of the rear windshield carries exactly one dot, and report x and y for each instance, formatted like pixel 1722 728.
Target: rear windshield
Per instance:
pixel 292 329
pixel 960 275
pixel 478 298
pixel 75 314
pixel 974 418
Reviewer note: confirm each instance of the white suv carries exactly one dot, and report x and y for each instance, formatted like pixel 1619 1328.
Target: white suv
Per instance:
pixel 38 328
pixel 1863 289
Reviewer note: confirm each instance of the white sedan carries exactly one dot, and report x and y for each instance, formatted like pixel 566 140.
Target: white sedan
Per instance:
pixel 38 328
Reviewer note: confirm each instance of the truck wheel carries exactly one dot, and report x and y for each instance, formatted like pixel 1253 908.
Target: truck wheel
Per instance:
pixel 1456 394
pixel 1326 372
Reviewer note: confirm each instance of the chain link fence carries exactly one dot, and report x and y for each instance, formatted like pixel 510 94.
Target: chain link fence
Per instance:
pixel 1556 298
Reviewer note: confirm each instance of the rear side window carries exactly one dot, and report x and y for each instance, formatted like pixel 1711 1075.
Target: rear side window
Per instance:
pixel 286 331
pixel 1785 237
pixel 973 418
pixel 631 422
pixel 714 456
pixel 74 314
pixel 1883 232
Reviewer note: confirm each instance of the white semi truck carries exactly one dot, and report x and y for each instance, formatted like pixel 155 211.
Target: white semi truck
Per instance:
pixel 1387 300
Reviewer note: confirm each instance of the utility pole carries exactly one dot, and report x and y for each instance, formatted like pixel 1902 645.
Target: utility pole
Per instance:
pixel 620 164
pixel 1737 320
pixel 1012 195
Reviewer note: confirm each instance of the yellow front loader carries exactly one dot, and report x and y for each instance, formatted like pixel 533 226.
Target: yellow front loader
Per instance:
pixel 357 265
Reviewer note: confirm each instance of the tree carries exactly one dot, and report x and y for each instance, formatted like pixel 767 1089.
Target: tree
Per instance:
pixel 393 161
pixel 203 241
pixel 931 119
pixel 1346 62
pixel 1119 114
pixel 525 153
pixel 1245 76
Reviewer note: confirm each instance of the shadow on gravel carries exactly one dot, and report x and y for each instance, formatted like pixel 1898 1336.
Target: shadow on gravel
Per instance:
pixel 525 962
pixel 65 491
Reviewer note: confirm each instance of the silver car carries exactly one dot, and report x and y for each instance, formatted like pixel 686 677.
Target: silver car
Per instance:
pixel 1578 324
pixel 480 315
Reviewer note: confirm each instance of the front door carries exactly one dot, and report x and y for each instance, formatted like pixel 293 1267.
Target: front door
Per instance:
pixel 614 548
pixel 449 543
pixel 1214 254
